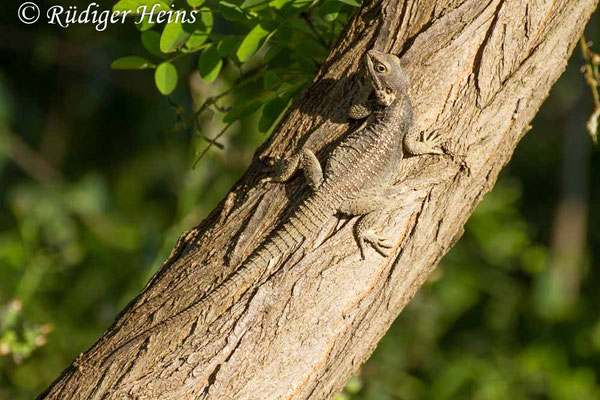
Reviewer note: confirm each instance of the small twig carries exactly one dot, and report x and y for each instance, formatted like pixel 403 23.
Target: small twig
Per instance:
pixel 211 143
pixel 207 103
pixel 211 102
pixel 213 99
pixel 306 17
pixel 223 109
pixel 214 142
pixel 28 159
pixel 590 72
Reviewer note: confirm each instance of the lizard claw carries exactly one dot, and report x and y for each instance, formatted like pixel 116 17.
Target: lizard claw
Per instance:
pixel 276 165
pixel 379 243
pixel 268 179
pixel 433 142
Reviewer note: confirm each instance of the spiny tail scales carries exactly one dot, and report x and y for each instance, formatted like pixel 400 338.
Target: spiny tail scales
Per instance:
pixel 280 243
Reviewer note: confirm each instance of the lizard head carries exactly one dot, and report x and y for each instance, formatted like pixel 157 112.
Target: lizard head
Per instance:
pixel 388 79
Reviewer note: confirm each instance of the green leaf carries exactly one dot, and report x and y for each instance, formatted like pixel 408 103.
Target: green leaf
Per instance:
pixel 302 3
pixel 165 78
pixel 206 21
pixel 271 112
pixel 271 80
pixel 227 45
pixel 353 3
pixel 330 10
pixel 144 24
pixel 278 4
pixel 196 41
pixel 231 12
pixel 174 36
pixel 195 3
pixel 242 111
pixel 151 42
pixel 307 65
pixel 202 29
pixel 354 385
pixel 332 16
pixel 251 42
pixel 270 54
pixel 210 63
pixel 132 62
pixel 136 7
pixel 254 3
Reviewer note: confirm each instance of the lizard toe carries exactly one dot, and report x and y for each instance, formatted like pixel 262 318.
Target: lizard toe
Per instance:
pixel 377 242
pixel 361 247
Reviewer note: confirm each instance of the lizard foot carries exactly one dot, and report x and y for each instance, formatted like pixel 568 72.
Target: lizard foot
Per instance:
pixel 283 169
pixel 276 166
pixel 268 179
pixel 432 141
pixel 379 243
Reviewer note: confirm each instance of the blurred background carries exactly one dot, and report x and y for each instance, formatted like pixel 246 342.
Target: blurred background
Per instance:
pixel 96 184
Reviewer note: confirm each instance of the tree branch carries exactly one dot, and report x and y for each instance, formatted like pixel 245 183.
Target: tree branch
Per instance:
pixel 480 71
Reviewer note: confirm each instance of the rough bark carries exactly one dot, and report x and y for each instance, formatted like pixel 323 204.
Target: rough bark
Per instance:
pixel 480 71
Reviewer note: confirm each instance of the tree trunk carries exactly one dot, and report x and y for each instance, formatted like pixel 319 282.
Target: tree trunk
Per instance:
pixel 480 71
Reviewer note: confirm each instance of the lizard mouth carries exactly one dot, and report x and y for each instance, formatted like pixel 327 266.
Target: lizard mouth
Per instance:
pixel 371 68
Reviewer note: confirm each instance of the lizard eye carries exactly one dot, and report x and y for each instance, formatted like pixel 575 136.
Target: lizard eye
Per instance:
pixel 388 91
pixel 380 68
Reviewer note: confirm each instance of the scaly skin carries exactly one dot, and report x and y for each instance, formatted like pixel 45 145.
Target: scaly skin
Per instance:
pixel 355 176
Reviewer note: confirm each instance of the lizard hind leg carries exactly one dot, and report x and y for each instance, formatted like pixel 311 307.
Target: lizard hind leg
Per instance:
pixel 304 160
pixel 370 209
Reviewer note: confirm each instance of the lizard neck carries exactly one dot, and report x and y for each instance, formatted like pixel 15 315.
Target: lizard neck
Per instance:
pixel 394 116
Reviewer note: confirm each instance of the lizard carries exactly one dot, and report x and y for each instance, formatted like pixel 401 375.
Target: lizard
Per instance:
pixel 356 174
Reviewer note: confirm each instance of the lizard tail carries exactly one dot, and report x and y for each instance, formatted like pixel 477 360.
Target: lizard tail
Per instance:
pixel 260 263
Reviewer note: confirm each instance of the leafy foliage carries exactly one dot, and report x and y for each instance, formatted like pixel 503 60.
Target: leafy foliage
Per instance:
pixel 293 37
pixel 132 62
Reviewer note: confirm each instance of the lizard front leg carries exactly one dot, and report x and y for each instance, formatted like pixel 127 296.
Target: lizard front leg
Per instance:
pixel 370 209
pixel 429 144
pixel 307 162
pixel 361 106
